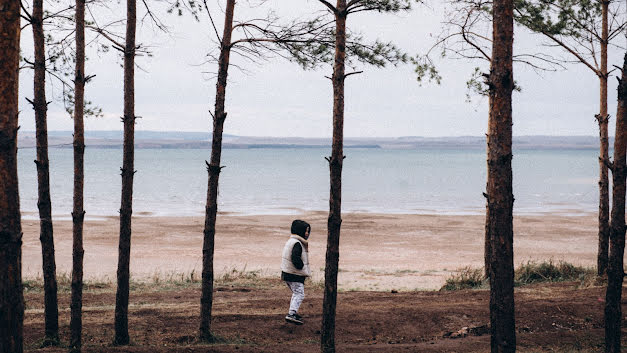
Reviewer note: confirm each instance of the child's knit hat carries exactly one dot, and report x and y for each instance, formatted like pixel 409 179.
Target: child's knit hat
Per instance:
pixel 300 227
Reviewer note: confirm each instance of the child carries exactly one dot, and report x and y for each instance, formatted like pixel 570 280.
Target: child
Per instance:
pixel 295 267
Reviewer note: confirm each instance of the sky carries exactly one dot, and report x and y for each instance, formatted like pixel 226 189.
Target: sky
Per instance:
pixel 175 89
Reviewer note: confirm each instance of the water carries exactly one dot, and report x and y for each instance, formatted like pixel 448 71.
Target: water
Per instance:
pixel 173 182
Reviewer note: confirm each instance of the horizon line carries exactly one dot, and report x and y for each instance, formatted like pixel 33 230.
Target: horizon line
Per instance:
pixel 318 137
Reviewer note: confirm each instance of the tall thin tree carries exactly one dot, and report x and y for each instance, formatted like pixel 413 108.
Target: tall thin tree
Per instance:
pixel 615 272
pixel 603 120
pixel 466 35
pixel 78 212
pixel 584 29
pixel 499 192
pixel 377 55
pixel 214 168
pixel 11 295
pixel 327 341
pixel 128 171
pixel 40 105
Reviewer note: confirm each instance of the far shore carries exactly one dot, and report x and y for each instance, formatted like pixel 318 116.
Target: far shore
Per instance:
pixel 377 251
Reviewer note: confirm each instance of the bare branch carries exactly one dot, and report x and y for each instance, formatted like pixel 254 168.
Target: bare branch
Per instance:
pixel 464 34
pixel 162 27
pixel 28 17
pixel 352 73
pixel 115 44
pixel 572 51
pixel 213 24
pixel 331 7
pixel 56 14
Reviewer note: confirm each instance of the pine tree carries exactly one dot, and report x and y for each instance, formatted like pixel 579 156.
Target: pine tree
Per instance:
pixel 615 272
pixel 44 204
pixel 499 192
pixel 11 295
pixel 128 171
pixel 579 27
pixel 78 212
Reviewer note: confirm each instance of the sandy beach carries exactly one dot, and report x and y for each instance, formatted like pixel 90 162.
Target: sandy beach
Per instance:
pixel 377 251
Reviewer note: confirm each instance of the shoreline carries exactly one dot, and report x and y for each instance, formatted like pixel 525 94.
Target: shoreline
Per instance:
pixel 377 251
pixel 566 212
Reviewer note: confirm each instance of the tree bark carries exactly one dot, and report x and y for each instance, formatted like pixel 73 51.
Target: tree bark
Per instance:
pixel 336 161
pixel 499 185
pixel 214 168
pixel 613 311
pixel 78 213
pixel 128 171
pixel 487 249
pixel 603 118
pixel 51 310
pixel 11 295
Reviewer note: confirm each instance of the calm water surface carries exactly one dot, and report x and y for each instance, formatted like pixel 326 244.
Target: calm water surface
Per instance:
pixel 285 181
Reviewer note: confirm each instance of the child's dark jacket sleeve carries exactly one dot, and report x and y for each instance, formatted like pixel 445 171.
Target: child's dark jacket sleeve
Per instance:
pixel 297 252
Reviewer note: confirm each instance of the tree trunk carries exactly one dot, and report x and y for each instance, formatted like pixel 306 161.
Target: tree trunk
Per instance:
pixel 603 118
pixel 128 171
pixel 51 311
pixel 499 186
pixel 613 312
pixel 213 167
pixel 487 246
pixel 78 213
pixel 11 295
pixel 336 161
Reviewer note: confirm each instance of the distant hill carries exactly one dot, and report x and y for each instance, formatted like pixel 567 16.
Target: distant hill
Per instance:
pixel 177 139
pixel 140 135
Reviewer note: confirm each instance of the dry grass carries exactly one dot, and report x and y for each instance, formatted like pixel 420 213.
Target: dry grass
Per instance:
pixel 549 271
pixel 466 278
pixel 163 281
pixel 529 273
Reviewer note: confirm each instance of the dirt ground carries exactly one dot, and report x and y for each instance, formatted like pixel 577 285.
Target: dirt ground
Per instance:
pixel 249 318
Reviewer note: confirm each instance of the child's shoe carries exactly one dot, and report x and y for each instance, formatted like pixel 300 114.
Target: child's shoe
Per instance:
pixel 294 319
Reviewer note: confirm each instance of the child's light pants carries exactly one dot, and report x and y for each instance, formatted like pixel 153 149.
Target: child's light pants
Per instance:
pixel 298 294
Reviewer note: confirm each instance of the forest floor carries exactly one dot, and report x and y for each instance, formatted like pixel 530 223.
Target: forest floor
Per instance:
pixel 248 316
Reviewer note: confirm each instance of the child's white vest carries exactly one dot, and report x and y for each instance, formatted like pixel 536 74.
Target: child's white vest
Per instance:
pixel 286 264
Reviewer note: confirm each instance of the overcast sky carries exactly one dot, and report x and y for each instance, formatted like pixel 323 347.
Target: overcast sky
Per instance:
pixel 278 98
